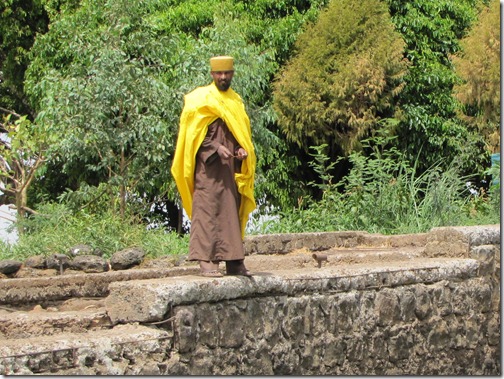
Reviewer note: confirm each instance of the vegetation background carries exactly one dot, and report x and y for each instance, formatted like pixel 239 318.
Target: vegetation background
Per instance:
pixel 378 115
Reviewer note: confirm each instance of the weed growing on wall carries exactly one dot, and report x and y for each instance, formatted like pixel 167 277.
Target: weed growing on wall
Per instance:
pixel 384 194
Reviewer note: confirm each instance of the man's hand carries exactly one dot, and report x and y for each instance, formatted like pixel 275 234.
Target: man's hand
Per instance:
pixel 241 154
pixel 224 152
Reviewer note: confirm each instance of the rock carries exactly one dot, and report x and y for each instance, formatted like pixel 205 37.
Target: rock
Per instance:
pixel 38 308
pixel 150 369
pixel 78 304
pixel 165 262
pixel 10 266
pixel 89 264
pixel 127 258
pixel 36 261
pixel 71 271
pixel 82 249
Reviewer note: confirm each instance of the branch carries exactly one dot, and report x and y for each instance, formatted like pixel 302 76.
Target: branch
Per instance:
pixel 33 170
pixel 10 112
pixel 9 190
pixel 94 199
pixel 25 208
pixel 33 212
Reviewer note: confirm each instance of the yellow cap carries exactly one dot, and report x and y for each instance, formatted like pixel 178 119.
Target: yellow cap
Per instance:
pixel 223 63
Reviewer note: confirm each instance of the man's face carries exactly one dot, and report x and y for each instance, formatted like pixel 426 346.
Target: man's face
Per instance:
pixel 222 79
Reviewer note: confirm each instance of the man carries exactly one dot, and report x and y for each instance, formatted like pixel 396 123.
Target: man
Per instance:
pixel 214 167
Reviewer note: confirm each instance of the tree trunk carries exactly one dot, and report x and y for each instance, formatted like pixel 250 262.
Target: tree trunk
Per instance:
pixel 122 187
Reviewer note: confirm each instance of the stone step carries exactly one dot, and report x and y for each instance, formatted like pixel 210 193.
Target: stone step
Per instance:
pixel 90 337
pixel 51 321
pixel 333 257
pixel 80 315
pixel 58 288
pixel 287 242
pixel 149 300
pixel 96 337
pixel 72 353
pixel 61 287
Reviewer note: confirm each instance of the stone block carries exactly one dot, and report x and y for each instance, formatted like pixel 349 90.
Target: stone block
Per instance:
pixel 387 307
pixel 185 326
pixel 207 320
pixel 486 255
pixel 231 326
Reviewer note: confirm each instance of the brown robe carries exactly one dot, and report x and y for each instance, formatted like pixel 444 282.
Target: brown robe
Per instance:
pixel 215 225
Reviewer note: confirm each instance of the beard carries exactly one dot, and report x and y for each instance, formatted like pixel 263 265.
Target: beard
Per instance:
pixel 223 85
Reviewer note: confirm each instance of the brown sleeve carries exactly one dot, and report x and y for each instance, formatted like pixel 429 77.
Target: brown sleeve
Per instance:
pixel 210 144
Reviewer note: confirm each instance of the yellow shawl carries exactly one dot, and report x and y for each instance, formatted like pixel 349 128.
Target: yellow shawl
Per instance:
pixel 202 107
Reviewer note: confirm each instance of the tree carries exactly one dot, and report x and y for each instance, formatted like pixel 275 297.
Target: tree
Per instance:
pixel 343 77
pixel 99 94
pixel 20 21
pixel 478 64
pixel 429 131
pixel 22 156
pixel 112 74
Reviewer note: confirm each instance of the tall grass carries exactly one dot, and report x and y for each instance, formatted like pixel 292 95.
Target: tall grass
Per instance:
pixel 384 194
pixel 381 194
pixel 56 228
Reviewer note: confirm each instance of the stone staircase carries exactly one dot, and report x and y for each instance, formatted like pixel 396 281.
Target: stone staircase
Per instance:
pixel 120 323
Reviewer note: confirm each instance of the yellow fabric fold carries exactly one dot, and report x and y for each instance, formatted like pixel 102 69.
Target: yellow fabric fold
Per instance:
pixel 202 107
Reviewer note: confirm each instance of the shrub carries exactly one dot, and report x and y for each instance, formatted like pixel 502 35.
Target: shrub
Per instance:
pixel 55 229
pixel 384 194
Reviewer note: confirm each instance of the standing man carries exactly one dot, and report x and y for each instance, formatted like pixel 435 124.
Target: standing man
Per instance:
pixel 214 167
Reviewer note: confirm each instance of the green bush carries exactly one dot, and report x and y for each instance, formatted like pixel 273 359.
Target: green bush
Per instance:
pixel 384 194
pixel 55 229
pixel 343 77
pixel 485 205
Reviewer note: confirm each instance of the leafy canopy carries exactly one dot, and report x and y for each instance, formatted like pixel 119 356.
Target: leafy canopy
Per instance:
pixel 99 94
pixel 478 64
pixel 20 21
pixel 109 77
pixel 429 130
pixel 343 77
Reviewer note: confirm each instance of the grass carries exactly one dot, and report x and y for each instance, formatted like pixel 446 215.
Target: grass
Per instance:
pixel 384 194
pixel 381 194
pixel 55 229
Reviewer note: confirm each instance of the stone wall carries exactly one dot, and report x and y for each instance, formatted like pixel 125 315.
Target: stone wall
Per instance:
pixel 443 328
pixel 438 315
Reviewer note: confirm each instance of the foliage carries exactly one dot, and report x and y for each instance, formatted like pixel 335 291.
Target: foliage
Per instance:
pixel 478 64
pixel 275 25
pixel 104 231
pixel 100 95
pixel 22 158
pixel 384 194
pixel 432 30
pixel 485 204
pixel 343 77
pixel 20 21
pixel 112 88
